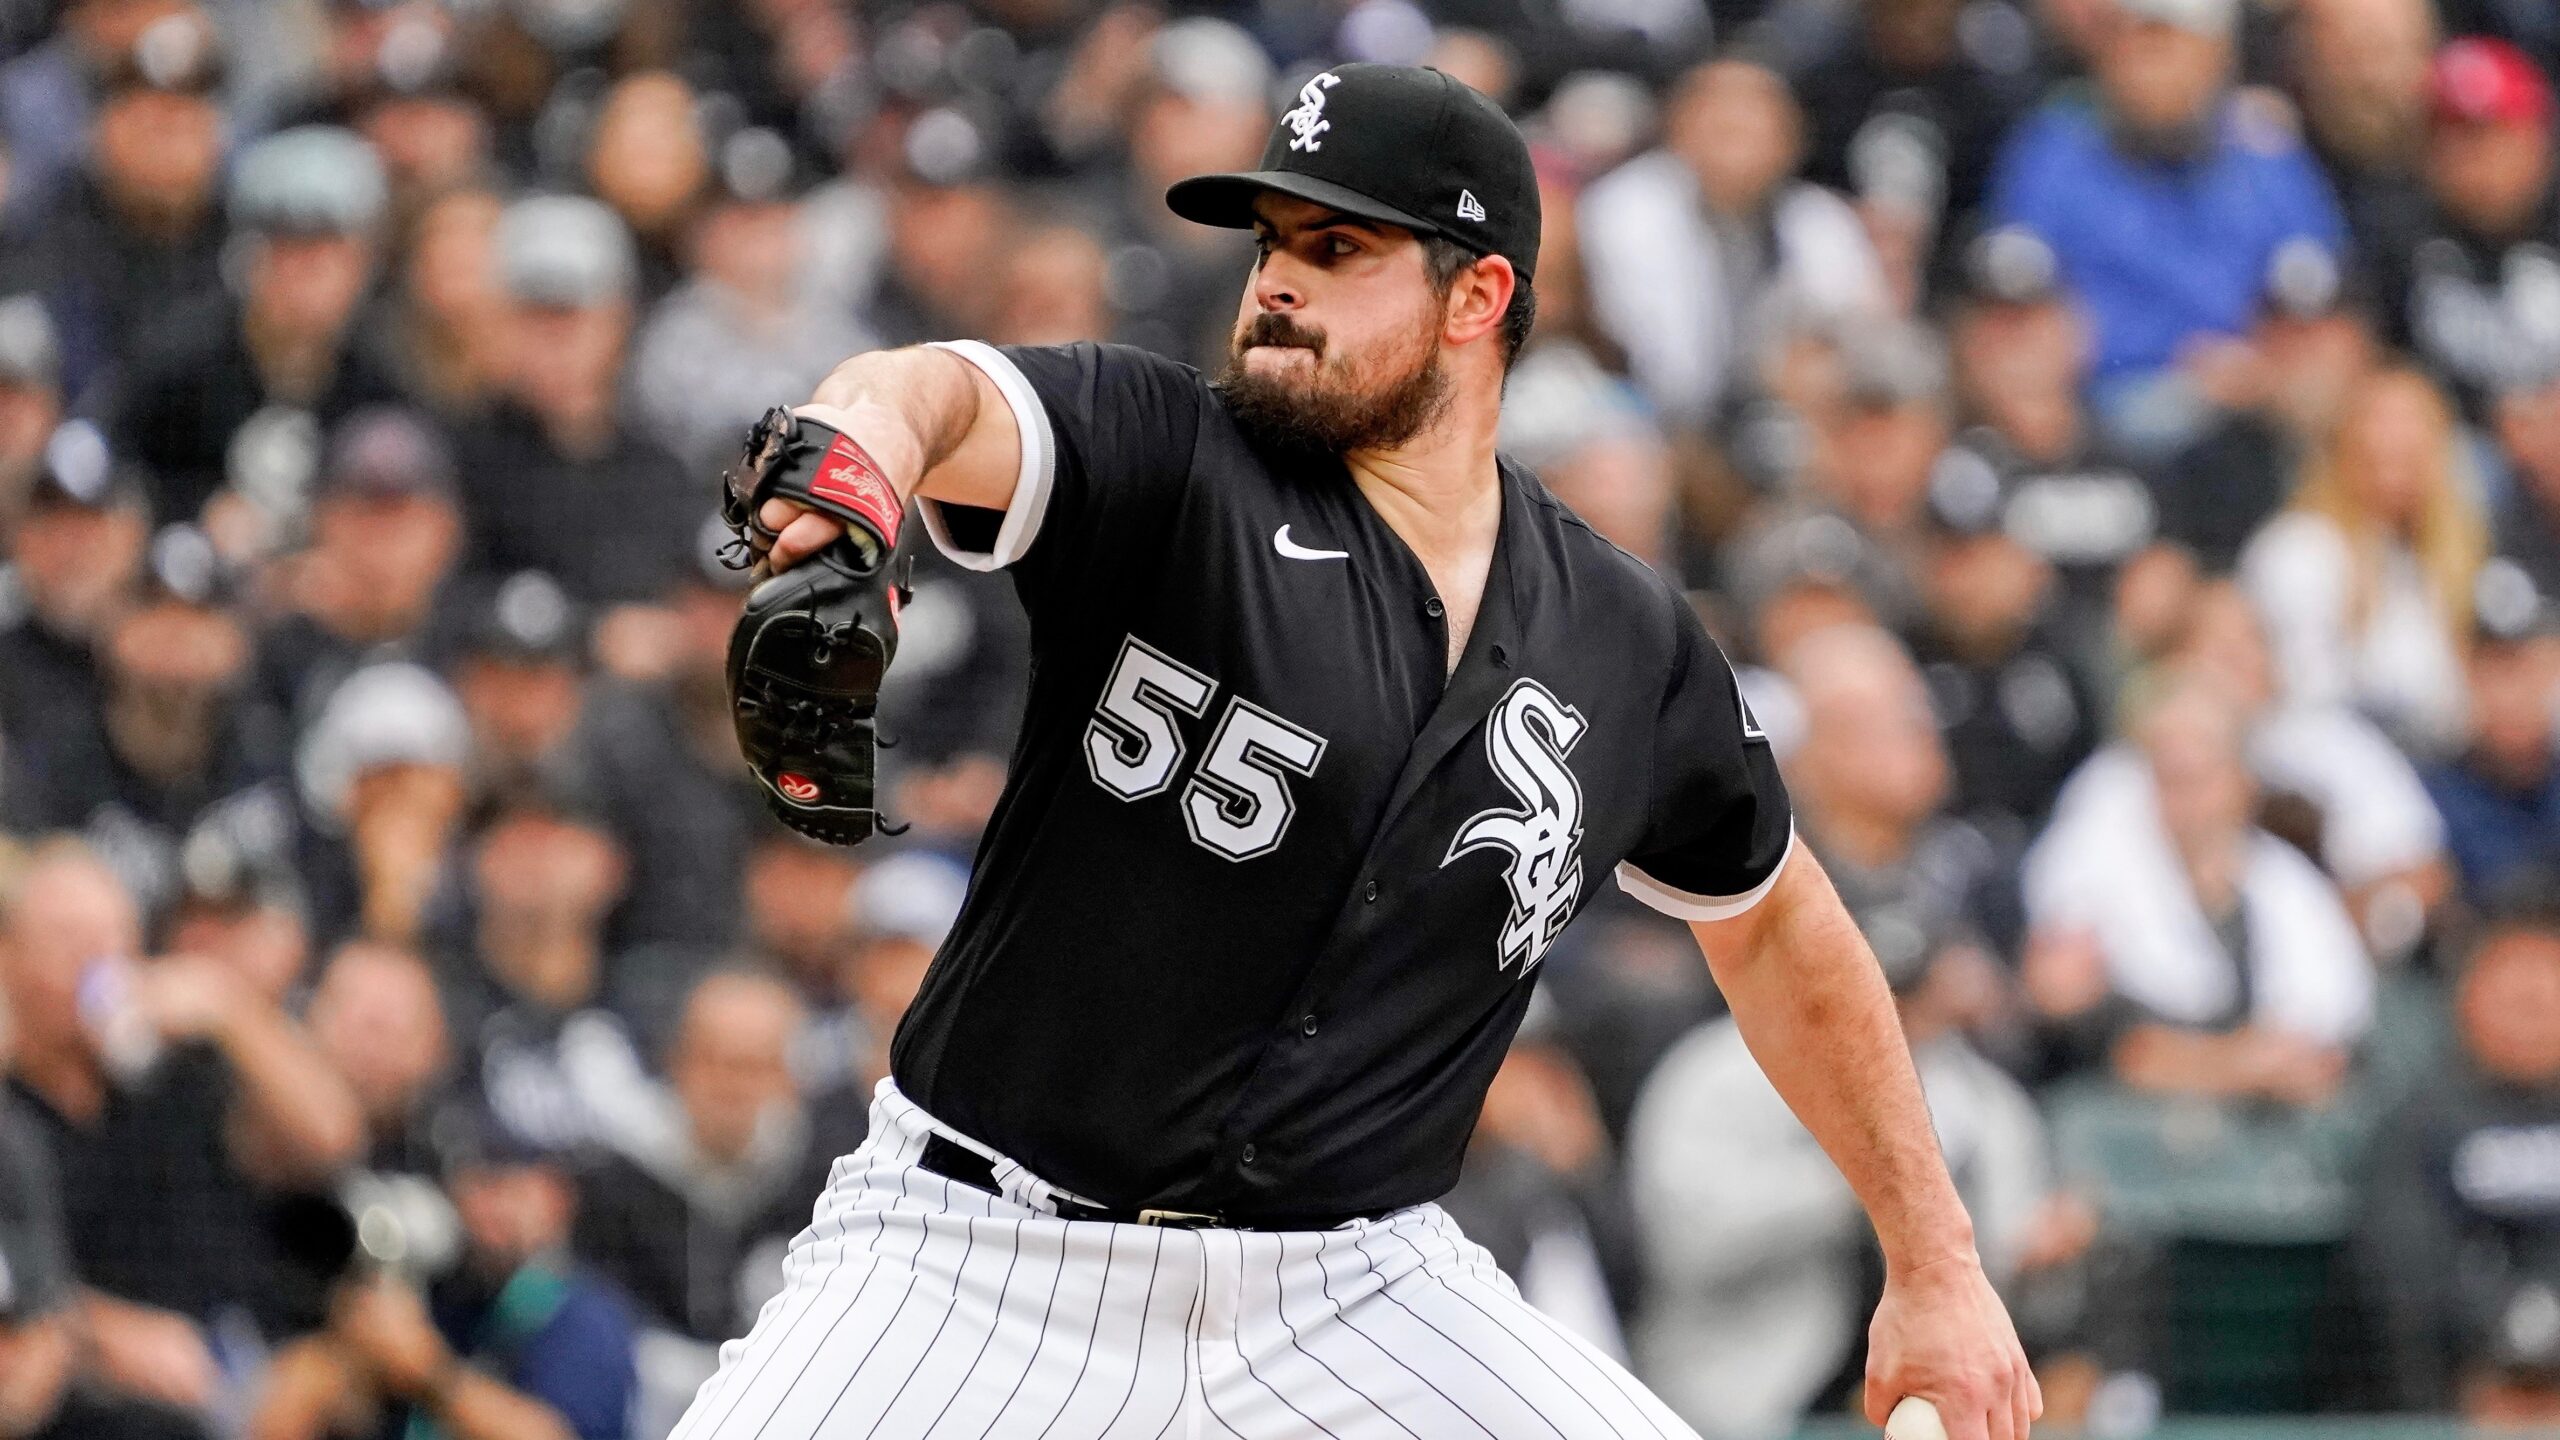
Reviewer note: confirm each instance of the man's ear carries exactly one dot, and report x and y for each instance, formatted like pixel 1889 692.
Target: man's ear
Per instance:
pixel 1479 297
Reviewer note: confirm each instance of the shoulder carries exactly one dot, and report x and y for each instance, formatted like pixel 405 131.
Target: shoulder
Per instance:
pixel 2066 123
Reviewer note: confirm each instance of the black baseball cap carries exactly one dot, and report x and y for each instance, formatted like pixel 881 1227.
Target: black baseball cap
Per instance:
pixel 1399 144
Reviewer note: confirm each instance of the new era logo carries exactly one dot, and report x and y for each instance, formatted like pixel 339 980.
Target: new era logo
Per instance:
pixel 1469 208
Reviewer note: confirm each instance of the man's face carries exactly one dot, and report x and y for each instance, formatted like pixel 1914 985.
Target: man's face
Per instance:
pixel 2161 79
pixel 1337 338
pixel 75 563
pixel 394 550
pixel 1737 126
pixel 565 354
pixel 512 1213
pixel 2205 792
pixel 68 914
pixel 157 151
pixel 2510 1007
pixel 732 1061
pixel 2490 175
pixel 2515 700
pixel 2006 353
pixel 376 1016
pixel 307 285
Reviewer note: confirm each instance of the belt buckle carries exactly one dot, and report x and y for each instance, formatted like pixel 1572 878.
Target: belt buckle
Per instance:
pixel 1177 1219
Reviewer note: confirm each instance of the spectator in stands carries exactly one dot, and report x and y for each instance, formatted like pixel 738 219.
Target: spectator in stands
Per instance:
pixel 741 329
pixel 2501 797
pixel 385 533
pixel 2268 405
pixel 2164 196
pixel 2526 529
pixel 406 98
pixel 559 476
pixel 649 158
pixel 306 206
pixel 2360 71
pixel 47 1390
pixel 1867 463
pixel 2365 581
pixel 950 226
pixel 2007 671
pixel 538 717
pixel 890 924
pixel 30 398
pixel 139 232
pixel 1694 251
pixel 1921 85
pixel 165 1091
pixel 73 553
pixel 693 1227
pixel 2198 954
pixel 1202 107
pixel 539 1049
pixel 2462 1203
pixel 49 98
pixel 1539 1185
pixel 2467 291
pixel 380 775
pixel 445 327
pixel 2371 825
pixel 2021 352
pixel 177 747
pixel 518 1343
pixel 377 1016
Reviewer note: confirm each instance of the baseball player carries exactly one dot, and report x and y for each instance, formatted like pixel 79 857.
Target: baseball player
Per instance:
pixel 1336 718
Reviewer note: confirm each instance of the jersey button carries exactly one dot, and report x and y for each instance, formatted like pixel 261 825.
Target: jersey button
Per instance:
pixel 1307 1026
pixel 1433 608
pixel 1371 893
pixel 1247 1156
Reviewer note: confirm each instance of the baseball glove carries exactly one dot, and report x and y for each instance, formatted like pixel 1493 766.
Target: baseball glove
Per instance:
pixel 809 649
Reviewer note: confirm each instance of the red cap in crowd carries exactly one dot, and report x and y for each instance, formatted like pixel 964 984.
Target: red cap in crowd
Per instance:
pixel 2487 82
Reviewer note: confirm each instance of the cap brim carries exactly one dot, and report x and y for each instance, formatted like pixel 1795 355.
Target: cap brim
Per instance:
pixel 1226 201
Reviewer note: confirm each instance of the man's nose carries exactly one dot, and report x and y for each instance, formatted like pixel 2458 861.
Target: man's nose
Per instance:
pixel 1275 284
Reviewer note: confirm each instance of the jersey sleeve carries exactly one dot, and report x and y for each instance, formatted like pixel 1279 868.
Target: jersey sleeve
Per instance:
pixel 1107 436
pixel 1719 828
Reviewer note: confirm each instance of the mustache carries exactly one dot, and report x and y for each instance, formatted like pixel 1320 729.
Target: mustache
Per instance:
pixel 1273 327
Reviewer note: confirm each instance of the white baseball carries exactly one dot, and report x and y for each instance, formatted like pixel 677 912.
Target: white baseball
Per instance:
pixel 1914 1419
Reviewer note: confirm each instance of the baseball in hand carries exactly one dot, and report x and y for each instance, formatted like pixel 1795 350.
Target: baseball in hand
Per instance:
pixel 1914 1419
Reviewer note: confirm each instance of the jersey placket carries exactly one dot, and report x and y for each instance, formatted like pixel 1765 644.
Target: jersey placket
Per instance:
pixel 1485 669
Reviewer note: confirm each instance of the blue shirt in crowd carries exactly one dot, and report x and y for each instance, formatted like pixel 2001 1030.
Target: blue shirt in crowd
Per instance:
pixel 2158 251
pixel 2496 833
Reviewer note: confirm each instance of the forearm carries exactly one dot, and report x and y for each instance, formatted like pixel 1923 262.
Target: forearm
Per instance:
pixel 1814 1008
pixel 296 1112
pixel 472 1406
pixel 912 409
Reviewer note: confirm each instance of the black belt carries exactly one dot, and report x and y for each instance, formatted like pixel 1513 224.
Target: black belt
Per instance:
pixel 961 1165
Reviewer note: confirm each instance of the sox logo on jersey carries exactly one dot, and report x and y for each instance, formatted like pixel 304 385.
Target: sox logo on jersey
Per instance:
pixel 1527 738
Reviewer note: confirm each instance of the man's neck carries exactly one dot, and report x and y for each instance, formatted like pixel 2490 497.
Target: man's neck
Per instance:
pixel 1442 495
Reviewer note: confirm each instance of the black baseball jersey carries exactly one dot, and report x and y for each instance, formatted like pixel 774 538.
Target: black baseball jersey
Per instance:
pixel 1258 912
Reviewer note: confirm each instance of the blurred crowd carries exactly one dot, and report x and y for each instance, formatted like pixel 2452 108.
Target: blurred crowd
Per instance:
pixel 2118 442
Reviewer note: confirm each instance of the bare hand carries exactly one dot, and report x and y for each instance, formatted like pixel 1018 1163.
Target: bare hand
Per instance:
pixel 384 1325
pixel 156 1354
pixel 1942 1334
pixel 189 996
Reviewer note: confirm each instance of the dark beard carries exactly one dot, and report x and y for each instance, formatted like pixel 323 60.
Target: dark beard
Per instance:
pixel 1276 413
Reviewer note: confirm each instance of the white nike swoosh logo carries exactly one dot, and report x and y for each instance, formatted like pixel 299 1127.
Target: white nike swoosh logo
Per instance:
pixel 1295 551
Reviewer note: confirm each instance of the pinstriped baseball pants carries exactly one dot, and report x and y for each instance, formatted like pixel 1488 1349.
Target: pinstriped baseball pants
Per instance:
pixel 914 1308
